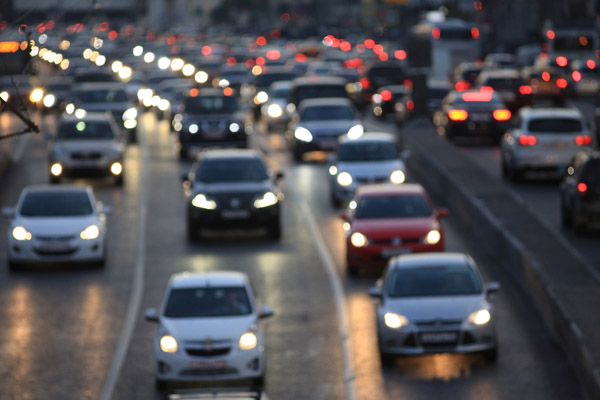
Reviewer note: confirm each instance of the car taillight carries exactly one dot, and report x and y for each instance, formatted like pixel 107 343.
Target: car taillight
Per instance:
pixel 561 83
pixel 525 89
pixel 410 105
pixel 486 89
pixel 408 83
pixel 365 83
pixel 576 75
pixel 458 115
pixel 583 140
pixel 462 85
pixel 527 140
pixel 501 115
pixel 475 33
pixel 386 95
pixel 581 187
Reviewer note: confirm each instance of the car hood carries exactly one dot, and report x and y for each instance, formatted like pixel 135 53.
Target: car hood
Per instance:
pixel 56 226
pixel 238 187
pixel 324 126
pixel 217 328
pixel 86 145
pixel 371 168
pixel 384 227
pixel 432 308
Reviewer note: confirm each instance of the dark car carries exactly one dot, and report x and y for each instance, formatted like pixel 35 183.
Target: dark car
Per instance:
pixel 317 87
pixel 472 114
pixel 377 75
pixel 580 192
pixel 213 117
pixel 509 84
pixel 254 92
pixel 384 100
pixel 232 188
pixel 548 83
pixel 465 74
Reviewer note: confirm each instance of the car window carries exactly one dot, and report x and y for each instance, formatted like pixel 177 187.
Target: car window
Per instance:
pixel 381 207
pixel 211 105
pixel 207 302
pixel 327 113
pixel 56 204
pixel 375 151
pixel 85 130
pixel 443 280
pixel 231 170
pixel 555 125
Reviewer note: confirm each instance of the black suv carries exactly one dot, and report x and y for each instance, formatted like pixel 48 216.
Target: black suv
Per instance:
pixel 232 188
pixel 580 192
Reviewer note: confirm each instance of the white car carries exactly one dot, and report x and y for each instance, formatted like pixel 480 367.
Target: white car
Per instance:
pixel 56 224
pixel 371 158
pixel 210 328
pixel 546 139
pixel 434 303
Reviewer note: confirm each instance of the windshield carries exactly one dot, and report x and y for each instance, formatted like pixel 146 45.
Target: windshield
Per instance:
pixel 211 105
pixel 85 130
pixel 231 170
pixel 555 125
pixel 327 113
pixel 319 91
pixel 103 96
pixel 374 151
pixel 392 206
pixel 442 280
pixel 61 203
pixel 208 302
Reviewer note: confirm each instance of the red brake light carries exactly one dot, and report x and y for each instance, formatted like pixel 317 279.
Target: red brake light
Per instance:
pixel 477 96
pixel 526 140
pixel 525 89
pixel 501 115
pixel 581 187
pixel 583 140
pixel 386 95
pixel 550 34
pixel 576 76
pixel 546 76
pixel 408 83
pixel 435 33
pixel 591 64
pixel 475 33
pixel 458 115
pixel 486 89
pixel 561 83
pixel 365 83
pixel 462 85
pixel 410 105
pixel 562 61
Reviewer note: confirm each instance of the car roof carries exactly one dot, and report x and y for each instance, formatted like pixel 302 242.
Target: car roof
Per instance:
pixel 207 279
pixel 319 80
pixel 229 153
pixel 430 258
pixel 370 137
pixel 325 101
pixel 390 189
pixel 551 112
pixel 47 188
pixel 500 73
pixel 100 85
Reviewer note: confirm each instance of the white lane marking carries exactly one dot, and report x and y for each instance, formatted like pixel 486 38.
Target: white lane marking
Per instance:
pixel 339 297
pixel 133 308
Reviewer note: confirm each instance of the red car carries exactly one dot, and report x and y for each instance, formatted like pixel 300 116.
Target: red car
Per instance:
pixel 385 220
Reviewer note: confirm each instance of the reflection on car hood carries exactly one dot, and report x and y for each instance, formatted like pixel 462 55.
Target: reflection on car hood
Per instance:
pixel 431 308
pixel 227 187
pixel 216 328
pixel 56 226
pixel 371 168
pixel 77 145
pixel 387 227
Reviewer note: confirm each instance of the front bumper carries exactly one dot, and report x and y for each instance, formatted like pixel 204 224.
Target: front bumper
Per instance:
pixel 55 251
pixel 378 255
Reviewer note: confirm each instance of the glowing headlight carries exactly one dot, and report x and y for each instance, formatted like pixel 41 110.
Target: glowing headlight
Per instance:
pixel 80 113
pixel 233 127
pixel 130 113
pixel 49 100
pixel 395 321
pixel 130 123
pixel 164 104
pixel 480 317
pixel 433 237
pixel 266 200
pixel 223 83
pixel 90 233
pixel 168 344
pixel 201 201
pixel 261 97
pixel 303 134
pixel 116 168
pixel 36 95
pixel 344 179
pixel 70 108
pixel 56 169
pixel 4 95
pixel 333 170
pixel 21 233
pixel 397 177
pixel 358 239
pixel 201 77
pixel 356 131
pixel 275 111
pixel 193 128
pixel 248 341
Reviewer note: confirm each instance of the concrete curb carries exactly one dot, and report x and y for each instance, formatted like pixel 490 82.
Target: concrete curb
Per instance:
pixel 466 190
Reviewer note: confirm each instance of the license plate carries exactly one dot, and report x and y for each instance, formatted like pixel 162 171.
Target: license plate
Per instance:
pixel 54 247
pixel 328 144
pixel 213 364
pixel 214 134
pixel 235 214
pixel 438 337
pixel 478 117
pixel 386 253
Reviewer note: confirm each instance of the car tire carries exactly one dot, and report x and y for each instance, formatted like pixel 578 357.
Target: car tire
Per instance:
pixel 183 154
pixel 193 231
pixel 386 359
pixel 119 180
pixel 515 174
pixel 160 385
pixel 491 355
pixel 578 226
pixel 259 382
pixel 335 202
pixel 13 265
pixel 54 180
pixel 274 230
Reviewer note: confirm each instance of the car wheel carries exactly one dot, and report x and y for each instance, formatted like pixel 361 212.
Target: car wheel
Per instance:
pixel 13 265
pixel 274 230
pixel 193 231
pixel 515 174
pixel 259 382
pixel 386 359
pixel 504 169
pixel 160 385
pixel 298 155
pixel 119 180
pixel 54 179
pixel 491 355
pixel 183 154
pixel 578 226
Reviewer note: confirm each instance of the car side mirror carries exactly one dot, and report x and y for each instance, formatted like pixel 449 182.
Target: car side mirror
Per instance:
pixel 8 212
pixel 492 287
pixel 443 212
pixel 151 315
pixel 376 292
pixel 266 311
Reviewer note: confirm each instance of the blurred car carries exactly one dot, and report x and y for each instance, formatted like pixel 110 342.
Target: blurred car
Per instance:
pixel 210 117
pixel 56 224
pixel 210 329
pixel 472 114
pixel 371 158
pixel 233 77
pixel 585 78
pixel 91 146
pixel 225 393
pixel 547 83
pixel 434 303
pixel 379 74
pixel 232 188
pixel 275 111
pixel 437 90
pixel 580 192
pixel 386 98
pixel 319 122
pixel 57 91
pixel 499 60
pixel 314 87
pixel 465 74
pixel 254 92
pixel 384 220
pixel 509 84
pixel 109 97
pixel 545 139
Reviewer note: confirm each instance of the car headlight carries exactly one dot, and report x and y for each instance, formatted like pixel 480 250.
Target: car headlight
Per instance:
pixel 4 95
pixel 344 179
pixel 20 233
pixel 274 111
pixel 356 131
pixel 395 321
pixel 358 240
pixel 56 169
pixel 303 134
pixel 193 128
pixel 261 97
pixel 266 200
pixel 49 100
pixel 130 113
pixel 333 170
pixel 234 127
pixel 116 168
pixel 130 123
pixel 433 237
pixel 36 95
pixel 248 341
pixel 90 233
pixel 397 177
pixel 168 344
pixel 480 317
pixel 201 201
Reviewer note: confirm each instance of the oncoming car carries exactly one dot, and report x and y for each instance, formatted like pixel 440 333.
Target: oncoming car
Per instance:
pixel 56 224
pixel 209 329
pixel 434 303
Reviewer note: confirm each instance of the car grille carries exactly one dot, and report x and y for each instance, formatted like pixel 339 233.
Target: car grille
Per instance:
pixel 371 179
pixel 55 238
pixel 86 156
pixel 441 323
pixel 206 372
pixel 55 252
pixel 213 352
pixel 234 200
pixel 388 241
